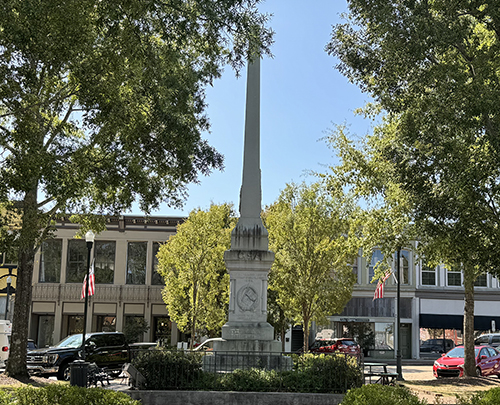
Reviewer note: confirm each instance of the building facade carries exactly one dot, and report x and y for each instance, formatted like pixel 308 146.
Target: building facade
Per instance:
pixel 432 302
pixel 127 285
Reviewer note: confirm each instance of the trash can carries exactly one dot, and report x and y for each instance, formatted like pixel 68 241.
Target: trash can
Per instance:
pixel 79 372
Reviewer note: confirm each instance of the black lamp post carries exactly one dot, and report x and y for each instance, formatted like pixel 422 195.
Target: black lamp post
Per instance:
pixel 9 282
pixel 399 369
pixel 89 238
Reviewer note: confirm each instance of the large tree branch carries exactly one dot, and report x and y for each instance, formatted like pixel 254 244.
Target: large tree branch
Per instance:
pixel 57 131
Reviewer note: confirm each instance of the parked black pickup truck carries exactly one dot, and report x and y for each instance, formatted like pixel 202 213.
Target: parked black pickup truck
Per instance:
pixel 107 349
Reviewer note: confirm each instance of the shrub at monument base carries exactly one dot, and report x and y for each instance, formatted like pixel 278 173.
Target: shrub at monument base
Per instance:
pixel 490 397
pixel 374 394
pixel 178 370
pixel 58 394
pixel 169 369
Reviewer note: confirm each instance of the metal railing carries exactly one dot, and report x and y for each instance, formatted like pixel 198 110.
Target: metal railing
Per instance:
pixel 248 371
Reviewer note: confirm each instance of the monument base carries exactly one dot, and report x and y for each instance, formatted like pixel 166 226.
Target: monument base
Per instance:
pixel 248 331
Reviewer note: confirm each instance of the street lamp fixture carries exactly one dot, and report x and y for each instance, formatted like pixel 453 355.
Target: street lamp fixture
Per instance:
pixel 9 282
pixel 89 238
pixel 399 368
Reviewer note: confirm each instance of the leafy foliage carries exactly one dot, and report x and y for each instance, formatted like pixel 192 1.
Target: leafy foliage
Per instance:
pixel 192 264
pixel 135 327
pixel 167 370
pixel 313 241
pixel 375 394
pixel 433 67
pixel 58 394
pixel 103 104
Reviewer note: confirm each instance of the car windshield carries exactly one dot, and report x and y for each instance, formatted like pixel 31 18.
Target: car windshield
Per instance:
pixel 458 352
pixel 70 341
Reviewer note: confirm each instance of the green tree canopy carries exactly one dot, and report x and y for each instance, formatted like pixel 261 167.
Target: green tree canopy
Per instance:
pixel 192 265
pixel 103 104
pixel 315 243
pixel 434 68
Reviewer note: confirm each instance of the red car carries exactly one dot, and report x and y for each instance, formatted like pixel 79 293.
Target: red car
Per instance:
pixel 451 364
pixel 340 345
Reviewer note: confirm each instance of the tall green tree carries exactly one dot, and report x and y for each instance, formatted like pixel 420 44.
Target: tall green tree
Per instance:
pixel 192 265
pixel 103 104
pixel 315 242
pixel 434 67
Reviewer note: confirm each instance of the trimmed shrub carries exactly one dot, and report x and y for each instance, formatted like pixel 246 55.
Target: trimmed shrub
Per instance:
pixel 375 394
pixel 323 373
pixel 490 397
pixel 59 394
pixel 169 369
pixel 179 370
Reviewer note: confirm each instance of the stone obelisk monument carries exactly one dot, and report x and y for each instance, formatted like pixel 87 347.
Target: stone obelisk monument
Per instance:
pixel 249 260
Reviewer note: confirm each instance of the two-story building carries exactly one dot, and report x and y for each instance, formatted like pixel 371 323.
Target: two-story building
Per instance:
pixel 127 284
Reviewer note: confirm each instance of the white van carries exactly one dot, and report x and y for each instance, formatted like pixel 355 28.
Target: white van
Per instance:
pixel 5 331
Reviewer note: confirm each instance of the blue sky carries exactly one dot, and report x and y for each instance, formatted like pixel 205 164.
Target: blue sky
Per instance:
pixel 302 97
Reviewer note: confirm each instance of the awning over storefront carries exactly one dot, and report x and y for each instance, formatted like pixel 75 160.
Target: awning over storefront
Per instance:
pixel 456 321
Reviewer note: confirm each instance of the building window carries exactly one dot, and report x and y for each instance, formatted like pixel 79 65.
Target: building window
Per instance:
pixel 156 279
pixel 454 277
pixel 106 323
pixel 50 261
pixel 104 262
pixel 404 266
pixel 136 262
pixel 77 261
pixel 481 281
pixel 428 275
pixel 377 257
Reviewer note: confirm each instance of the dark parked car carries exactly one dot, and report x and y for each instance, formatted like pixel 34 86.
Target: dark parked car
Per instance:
pixel 492 339
pixel 436 346
pixel 107 349
pixel 451 364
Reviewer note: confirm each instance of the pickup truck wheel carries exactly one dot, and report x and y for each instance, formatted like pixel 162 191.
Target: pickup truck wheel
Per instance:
pixel 64 372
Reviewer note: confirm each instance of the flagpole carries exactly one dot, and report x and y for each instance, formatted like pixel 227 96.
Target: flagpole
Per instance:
pixel 89 238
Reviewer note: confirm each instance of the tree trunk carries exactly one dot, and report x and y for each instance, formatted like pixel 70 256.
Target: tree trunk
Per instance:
pixel 470 359
pixel 306 335
pixel 16 365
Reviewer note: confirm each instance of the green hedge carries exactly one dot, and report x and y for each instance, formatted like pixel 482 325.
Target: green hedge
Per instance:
pixel 59 394
pixel 375 394
pixel 178 370
pixel 490 397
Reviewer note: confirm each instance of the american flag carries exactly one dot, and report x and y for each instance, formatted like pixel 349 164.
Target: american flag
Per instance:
pixel 92 282
pixel 379 291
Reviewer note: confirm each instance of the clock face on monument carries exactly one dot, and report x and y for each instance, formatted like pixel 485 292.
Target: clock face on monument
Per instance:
pixel 247 298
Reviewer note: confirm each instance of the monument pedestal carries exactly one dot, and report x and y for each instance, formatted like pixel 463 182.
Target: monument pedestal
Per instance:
pixel 248 337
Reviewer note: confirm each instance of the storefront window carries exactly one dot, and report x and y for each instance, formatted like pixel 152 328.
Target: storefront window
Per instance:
pixel 106 323
pixel 45 330
pixel 384 336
